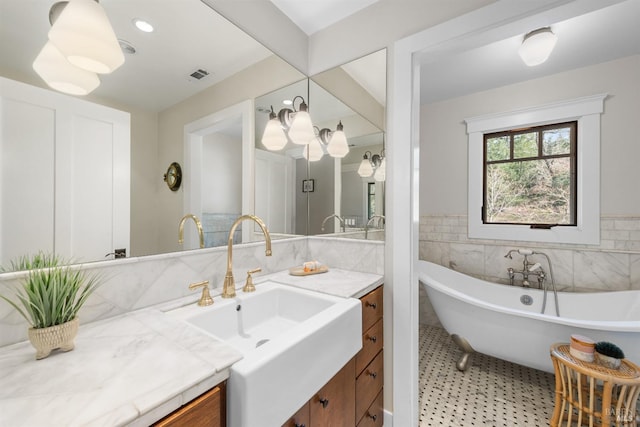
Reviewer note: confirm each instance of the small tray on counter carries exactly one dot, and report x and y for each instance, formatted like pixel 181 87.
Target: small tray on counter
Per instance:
pixel 299 271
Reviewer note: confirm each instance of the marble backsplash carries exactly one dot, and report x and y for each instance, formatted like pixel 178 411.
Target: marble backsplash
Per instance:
pixel 614 265
pixel 134 283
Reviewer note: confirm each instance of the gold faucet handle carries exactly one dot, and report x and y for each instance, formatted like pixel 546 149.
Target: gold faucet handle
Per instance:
pixel 205 298
pixel 249 286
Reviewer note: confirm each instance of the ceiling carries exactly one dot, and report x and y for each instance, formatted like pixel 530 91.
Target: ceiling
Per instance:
pixel 312 16
pixel 188 36
pixel 604 35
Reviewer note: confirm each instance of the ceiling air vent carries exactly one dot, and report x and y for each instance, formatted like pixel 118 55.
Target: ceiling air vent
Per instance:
pixel 199 74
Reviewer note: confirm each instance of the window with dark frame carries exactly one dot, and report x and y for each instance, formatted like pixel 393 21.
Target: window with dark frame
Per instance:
pixel 530 176
pixel 371 199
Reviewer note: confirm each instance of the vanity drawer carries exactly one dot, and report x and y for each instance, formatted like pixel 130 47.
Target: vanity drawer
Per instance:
pixel 207 410
pixel 368 385
pixel 372 342
pixel 374 415
pixel 371 308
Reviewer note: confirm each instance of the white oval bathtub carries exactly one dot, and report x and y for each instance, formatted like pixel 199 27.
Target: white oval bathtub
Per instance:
pixel 494 321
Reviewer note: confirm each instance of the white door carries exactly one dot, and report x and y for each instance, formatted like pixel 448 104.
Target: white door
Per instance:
pixel 275 191
pixel 65 179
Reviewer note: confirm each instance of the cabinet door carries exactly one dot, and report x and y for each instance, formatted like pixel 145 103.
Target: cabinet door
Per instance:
pixel 65 177
pixel 206 410
pixel 334 404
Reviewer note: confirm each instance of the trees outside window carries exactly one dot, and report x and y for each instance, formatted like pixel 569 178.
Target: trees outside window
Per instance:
pixel 530 176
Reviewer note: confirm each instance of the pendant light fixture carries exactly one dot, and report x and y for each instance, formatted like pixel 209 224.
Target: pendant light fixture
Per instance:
pixel 60 75
pixel 537 46
pixel 338 146
pixel 83 34
pixel 274 138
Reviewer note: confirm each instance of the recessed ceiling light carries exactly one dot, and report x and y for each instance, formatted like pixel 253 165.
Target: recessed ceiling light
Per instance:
pixel 143 25
pixel 287 102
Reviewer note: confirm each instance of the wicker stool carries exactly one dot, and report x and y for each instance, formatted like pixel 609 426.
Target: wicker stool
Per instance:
pixel 588 394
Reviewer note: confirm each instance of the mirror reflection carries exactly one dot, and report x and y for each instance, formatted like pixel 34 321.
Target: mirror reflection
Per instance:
pixel 323 190
pixel 167 85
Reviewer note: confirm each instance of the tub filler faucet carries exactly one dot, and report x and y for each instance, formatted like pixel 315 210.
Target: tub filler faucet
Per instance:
pixel 534 269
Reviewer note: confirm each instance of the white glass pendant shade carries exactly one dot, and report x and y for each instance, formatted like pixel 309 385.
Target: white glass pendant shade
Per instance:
pixel 313 152
pixel 62 76
pixel 274 137
pixel 381 173
pixel 365 169
pixel 83 34
pixel 537 46
pixel 301 129
pixel 338 146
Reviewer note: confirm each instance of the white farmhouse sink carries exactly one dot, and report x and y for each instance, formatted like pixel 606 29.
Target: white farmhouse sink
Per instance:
pixel 292 340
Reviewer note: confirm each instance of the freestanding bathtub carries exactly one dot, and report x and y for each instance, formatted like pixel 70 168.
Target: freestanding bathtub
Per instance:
pixel 492 319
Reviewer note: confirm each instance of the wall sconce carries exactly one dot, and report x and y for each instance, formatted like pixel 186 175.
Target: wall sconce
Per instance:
pixel 80 37
pixel 537 46
pixel 294 124
pixel 371 162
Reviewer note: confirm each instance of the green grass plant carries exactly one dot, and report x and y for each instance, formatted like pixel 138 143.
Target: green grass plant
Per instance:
pixel 53 292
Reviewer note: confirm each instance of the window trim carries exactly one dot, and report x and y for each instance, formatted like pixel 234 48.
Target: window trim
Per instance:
pixel 586 111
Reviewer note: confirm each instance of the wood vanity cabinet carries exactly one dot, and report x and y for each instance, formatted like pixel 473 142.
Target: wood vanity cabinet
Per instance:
pixel 369 362
pixel 354 396
pixel 206 410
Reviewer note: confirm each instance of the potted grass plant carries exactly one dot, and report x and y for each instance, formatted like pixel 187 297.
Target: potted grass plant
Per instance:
pixel 51 295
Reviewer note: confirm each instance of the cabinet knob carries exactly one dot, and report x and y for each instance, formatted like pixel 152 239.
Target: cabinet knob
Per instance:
pixel 324 402
pixel 373 417
pixel 373 305
pixel 372 339
pixel 372 374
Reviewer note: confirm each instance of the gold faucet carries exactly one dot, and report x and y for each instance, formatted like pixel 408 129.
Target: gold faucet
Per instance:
pixel 198 225
pixel 229 287
pixel 205 298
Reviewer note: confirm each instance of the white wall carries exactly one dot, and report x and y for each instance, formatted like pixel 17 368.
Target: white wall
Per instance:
pixel 443 154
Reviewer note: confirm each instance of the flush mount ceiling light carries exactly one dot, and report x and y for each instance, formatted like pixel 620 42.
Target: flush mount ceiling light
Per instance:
pixel 81 44
pixel 537 46
pixel 60 75
pixel 83 34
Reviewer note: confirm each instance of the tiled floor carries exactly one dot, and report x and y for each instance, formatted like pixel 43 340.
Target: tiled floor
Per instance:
pixel 490 393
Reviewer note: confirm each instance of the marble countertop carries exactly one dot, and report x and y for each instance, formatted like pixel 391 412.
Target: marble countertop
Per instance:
pixel 342 283
pixel 135 368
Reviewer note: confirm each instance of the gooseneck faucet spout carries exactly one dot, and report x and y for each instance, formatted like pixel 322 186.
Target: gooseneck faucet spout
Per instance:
pixel 198 226
pixel 333 216
pixel 373 218
pixel 229 286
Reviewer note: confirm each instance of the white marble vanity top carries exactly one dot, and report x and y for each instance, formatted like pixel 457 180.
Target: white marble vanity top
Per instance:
pixel 343 283
pixel 135 368
pixel 127 370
